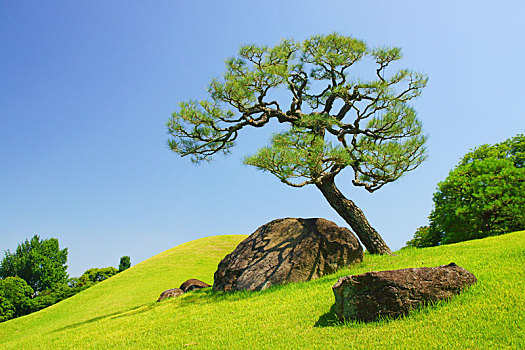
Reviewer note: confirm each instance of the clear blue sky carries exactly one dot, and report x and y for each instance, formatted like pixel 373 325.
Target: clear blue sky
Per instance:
pixel 86 88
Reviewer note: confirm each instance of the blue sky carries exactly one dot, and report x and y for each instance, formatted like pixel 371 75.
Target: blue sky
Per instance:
pixel 86 88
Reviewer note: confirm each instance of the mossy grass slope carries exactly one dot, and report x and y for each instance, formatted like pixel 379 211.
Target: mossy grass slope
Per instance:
pixel 121 312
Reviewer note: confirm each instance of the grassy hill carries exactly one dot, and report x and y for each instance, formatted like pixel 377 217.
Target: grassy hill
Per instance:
pixel 121 312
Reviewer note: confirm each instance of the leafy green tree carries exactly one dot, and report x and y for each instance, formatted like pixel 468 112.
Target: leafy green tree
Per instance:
pixel 95 275
pixel 334 121
pixel 40 263
pixel 15 294
pixel 482 196
pixel 512 149
pixel 125 263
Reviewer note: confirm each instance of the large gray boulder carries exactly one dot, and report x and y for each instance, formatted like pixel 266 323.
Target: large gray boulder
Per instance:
pixel 287 250
pixel 368 296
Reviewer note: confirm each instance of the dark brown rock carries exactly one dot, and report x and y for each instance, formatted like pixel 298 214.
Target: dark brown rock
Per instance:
pixel 370 295
pixel 193 284
pixel 287 250
pixel 170 293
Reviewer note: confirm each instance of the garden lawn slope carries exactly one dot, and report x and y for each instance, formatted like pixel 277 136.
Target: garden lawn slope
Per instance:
pixel 121 312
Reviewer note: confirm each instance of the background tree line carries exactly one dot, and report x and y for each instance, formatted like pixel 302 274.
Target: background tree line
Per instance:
pixel 35 276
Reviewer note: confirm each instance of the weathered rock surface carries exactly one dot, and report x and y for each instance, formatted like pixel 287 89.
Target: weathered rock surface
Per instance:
pixel 170 293
pixel 193 284
pixel 393 293
pixel 287 250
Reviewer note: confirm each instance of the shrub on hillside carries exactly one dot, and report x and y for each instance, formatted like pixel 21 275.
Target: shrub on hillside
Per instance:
pixel 7 310
pixel 15 296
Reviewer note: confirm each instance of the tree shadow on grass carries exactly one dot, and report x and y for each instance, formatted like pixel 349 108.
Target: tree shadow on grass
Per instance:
pixel 200 296
pixel 114 315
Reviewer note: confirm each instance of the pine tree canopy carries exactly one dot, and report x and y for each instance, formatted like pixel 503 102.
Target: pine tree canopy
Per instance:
pixel 335 120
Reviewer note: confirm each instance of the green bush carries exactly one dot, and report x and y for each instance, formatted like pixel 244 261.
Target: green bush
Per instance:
pixel 16 295
pixel 7 310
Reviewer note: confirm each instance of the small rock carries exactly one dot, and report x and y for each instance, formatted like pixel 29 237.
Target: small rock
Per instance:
pixel 170 293
pixel 193 284
pixel 287 250
pixel 393 293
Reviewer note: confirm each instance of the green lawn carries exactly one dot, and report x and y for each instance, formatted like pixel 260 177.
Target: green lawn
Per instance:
pixel 121 312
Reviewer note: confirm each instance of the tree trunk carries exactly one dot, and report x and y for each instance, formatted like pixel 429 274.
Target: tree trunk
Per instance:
pixel 354 217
